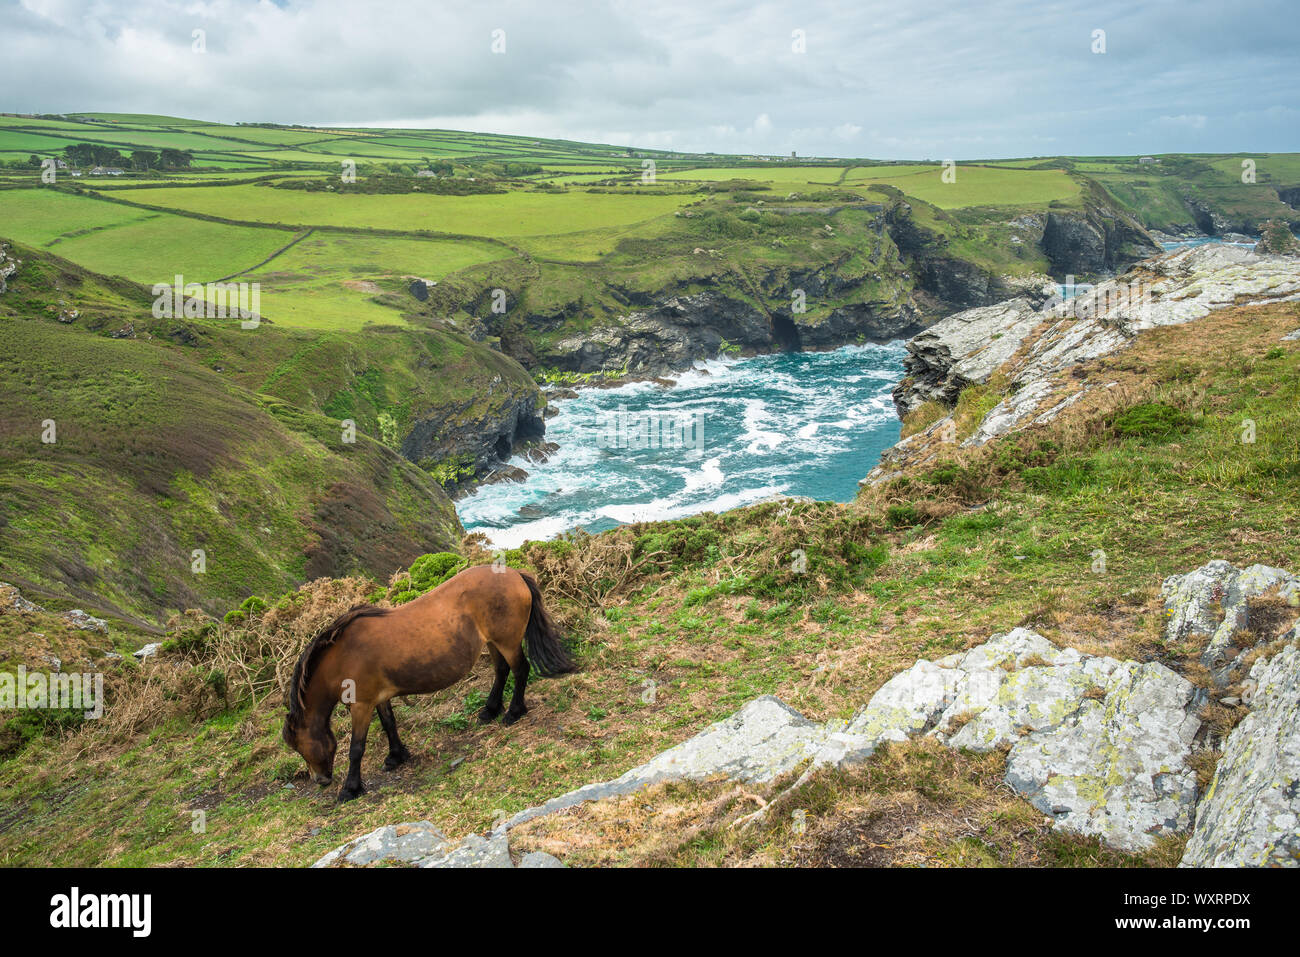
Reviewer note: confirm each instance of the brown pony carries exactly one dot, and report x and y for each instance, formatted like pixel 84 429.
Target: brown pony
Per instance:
pixel 369 654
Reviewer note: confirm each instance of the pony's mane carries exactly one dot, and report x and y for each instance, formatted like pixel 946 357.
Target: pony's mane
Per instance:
pixel 310 658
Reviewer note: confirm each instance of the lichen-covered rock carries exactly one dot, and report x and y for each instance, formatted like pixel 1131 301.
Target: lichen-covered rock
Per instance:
pixel 1250 815
pixel 1192 600
pixel 474 851
pixel 760 742
pixel 1117 766
pixel 406 843
pixel 1102 746
pixel 1214 600
pixel 540 859
pixel 11 599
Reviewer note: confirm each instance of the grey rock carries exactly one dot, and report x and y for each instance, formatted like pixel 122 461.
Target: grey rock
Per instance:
pixel 964 349
pixel 406 843
pixel 1250 815
pixel 79 619
pixel 11 599
pixel 540 859
pixel 1214 600
pixel 148 651
pixel 474 851
pixel 760 742
pixel 1116 768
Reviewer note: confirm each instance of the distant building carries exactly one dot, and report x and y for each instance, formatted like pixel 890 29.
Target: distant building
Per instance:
pixel 1148 159
pixel 107 171
pixel 425 172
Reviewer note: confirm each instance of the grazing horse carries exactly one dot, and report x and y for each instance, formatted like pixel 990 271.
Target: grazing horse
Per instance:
pixel 368 654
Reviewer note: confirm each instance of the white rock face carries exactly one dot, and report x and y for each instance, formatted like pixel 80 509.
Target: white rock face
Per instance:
pixel 1100 745
pixel 1250 816
pixel 968 347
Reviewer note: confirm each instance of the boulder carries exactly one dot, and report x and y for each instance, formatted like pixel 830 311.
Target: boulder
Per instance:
pixel 1099 745
pixel 760 742
pixel 1250 815
pixel 1214 601
pixel 407 843
pixel 79 619
pixel 474 851
pixel 1117 766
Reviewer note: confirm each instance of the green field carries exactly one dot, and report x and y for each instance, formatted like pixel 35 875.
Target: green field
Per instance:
pixel 508 215
pixel 139 244
pixel 584 244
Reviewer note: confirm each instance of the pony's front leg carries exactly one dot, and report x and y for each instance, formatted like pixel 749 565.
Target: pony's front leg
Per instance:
pixel 397 753
pixel 361 715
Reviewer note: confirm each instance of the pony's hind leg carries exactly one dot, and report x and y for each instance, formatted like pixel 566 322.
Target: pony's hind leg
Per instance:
pixel 519 667
pixel 397 753
pixel 361 715
pixel 492 707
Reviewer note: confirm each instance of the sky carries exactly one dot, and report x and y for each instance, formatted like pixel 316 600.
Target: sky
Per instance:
pixel 892 80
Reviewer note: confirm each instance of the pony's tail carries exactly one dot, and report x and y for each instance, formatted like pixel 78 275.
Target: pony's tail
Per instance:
pixel 542 638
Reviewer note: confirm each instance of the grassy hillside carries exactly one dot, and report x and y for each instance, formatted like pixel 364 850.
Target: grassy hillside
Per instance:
pixel 712 611
pixel 174 435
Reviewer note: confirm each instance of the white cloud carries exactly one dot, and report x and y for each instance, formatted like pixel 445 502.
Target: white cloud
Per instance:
pixel 878 79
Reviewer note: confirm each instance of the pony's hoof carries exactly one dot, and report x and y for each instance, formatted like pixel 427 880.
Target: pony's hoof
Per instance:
pixel 488 715
pixel 512 716
pixel 396 760
pixel 347 794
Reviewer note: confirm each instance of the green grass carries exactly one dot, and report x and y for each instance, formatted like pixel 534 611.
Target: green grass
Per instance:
pixel 509 215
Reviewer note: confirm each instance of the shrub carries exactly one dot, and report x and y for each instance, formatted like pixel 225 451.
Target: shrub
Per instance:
pixel 1151 420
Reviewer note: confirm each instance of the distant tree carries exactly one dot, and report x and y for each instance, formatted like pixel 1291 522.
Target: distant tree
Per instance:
pixel 175 159
pixel 144 159
pixel 93 154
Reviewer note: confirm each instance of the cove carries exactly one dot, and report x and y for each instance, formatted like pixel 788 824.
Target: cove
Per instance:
pixel 802 423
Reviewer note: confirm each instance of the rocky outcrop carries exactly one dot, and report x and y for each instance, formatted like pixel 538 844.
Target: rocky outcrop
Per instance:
pixel 490 430
pixel 1275 239
pixel 1174 288
pixel 8 266
pixel 964 349
pixel 1100 746
pixel 1250 815
pixel 420 844
pixel 1097 240
pixel 1216 601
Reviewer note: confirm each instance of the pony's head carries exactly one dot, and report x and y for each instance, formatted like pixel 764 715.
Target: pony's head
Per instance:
pixel 317 746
